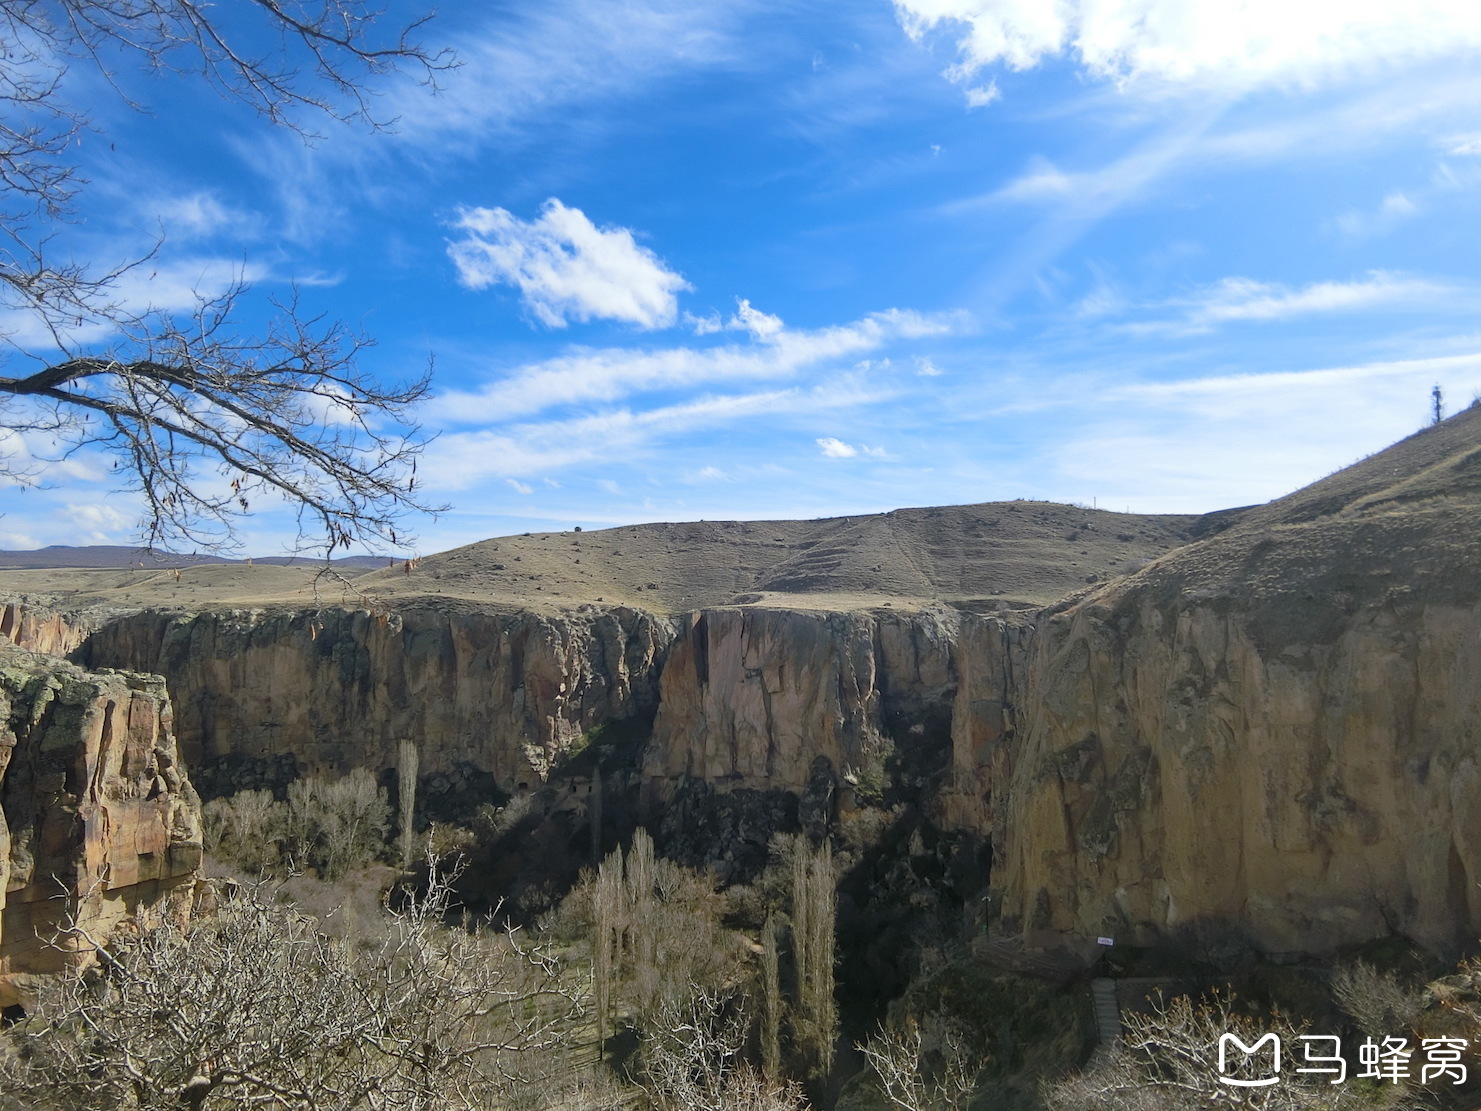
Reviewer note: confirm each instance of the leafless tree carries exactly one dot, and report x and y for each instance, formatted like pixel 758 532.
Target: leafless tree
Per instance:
pixel 255 1006
pixel 200 416
pixel 814 909
pixel 924 1065
pixel 406 785
pixel 694 1059
pixel 771 1000
pixel 1168 1061
pixel 1377 1001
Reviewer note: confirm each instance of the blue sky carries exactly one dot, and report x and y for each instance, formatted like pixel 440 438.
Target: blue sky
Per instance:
pixel 757 259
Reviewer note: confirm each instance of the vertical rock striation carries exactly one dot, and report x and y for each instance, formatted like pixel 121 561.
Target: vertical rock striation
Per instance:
pixel 755 697
pixel 1271 737
pixel 98 823
pixel 338 688
pixel 38 629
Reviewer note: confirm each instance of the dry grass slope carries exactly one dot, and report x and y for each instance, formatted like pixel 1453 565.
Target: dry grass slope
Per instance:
pixel 1022 552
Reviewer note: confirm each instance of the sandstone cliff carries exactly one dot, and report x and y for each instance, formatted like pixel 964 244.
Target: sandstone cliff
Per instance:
pixel 98 821
pixel 1270 733
pixel 754 697
pixel 1273 734
pixel 38 629
pixel 334 688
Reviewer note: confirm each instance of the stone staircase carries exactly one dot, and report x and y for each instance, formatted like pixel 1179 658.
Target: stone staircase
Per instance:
pixel 1107 1017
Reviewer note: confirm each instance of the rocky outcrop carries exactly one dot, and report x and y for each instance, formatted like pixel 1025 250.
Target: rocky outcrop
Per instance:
pixel 1269 738
pixel 98 823
pixel 333 689
pixel 753 697
pixel 38 629
pixel 991 660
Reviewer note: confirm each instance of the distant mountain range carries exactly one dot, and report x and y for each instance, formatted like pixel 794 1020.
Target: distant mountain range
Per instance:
pixel 108 556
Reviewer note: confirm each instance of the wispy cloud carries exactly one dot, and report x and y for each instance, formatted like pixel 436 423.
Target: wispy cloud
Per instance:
pixel 611 374
pixel 1206 42
pixel 761 325
pixel 835 448
pixel 566 267
pixel 521 66
pixel 198 215
pixel 1244 299
pixel 458 460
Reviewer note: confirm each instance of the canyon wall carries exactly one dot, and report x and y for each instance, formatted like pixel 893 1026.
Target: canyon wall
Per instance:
pixel 1270 736
pixel 1150 761
pixel 98 823
pixel 38 629
pixel 1274 740
pixel 754 697
pixel 507 693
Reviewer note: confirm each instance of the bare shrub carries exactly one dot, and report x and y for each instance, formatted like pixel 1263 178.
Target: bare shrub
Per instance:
pixel 337 824
pixel 330 825
pixel 926 1065
pixel 693 1059
pixel 256 1006
pixel 1167 1061
pixel 1377 1001
pixel 247 829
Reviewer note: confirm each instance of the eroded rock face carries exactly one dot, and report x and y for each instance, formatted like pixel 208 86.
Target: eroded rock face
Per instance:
pixel 98 820
pixel 1194 759
pixel 336 688
pixel 38 629
pixel 752 698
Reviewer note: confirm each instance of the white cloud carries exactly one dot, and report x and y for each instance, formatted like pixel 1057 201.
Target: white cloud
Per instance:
pixel 925 368
pixel 172 286
pixel 836 449
pixel 1394 210
pixel 98 524
pixel 608 375
pixel 520 487
pixel 1396 204
pixel 522 66
pixel 1462 145
pixel 608 485
pixel 761 325
pixel 459 460
pixel 1237 43
pixel 18 541
pixel 1235 299
pixel 199 215
pixel 980 96
pixel 566 267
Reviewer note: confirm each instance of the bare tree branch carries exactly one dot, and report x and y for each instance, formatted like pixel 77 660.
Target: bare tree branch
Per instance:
pixel 200 418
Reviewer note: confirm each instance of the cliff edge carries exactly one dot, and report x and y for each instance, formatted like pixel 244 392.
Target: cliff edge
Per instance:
pixel 99 825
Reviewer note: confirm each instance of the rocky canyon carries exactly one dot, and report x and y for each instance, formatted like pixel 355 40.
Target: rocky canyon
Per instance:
pixel 1258 726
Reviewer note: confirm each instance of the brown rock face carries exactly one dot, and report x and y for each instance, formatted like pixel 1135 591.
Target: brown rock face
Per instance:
pixel 38 629
pixel 338 688
pixel 1274 734
pixel 751 697
pixel 97 819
